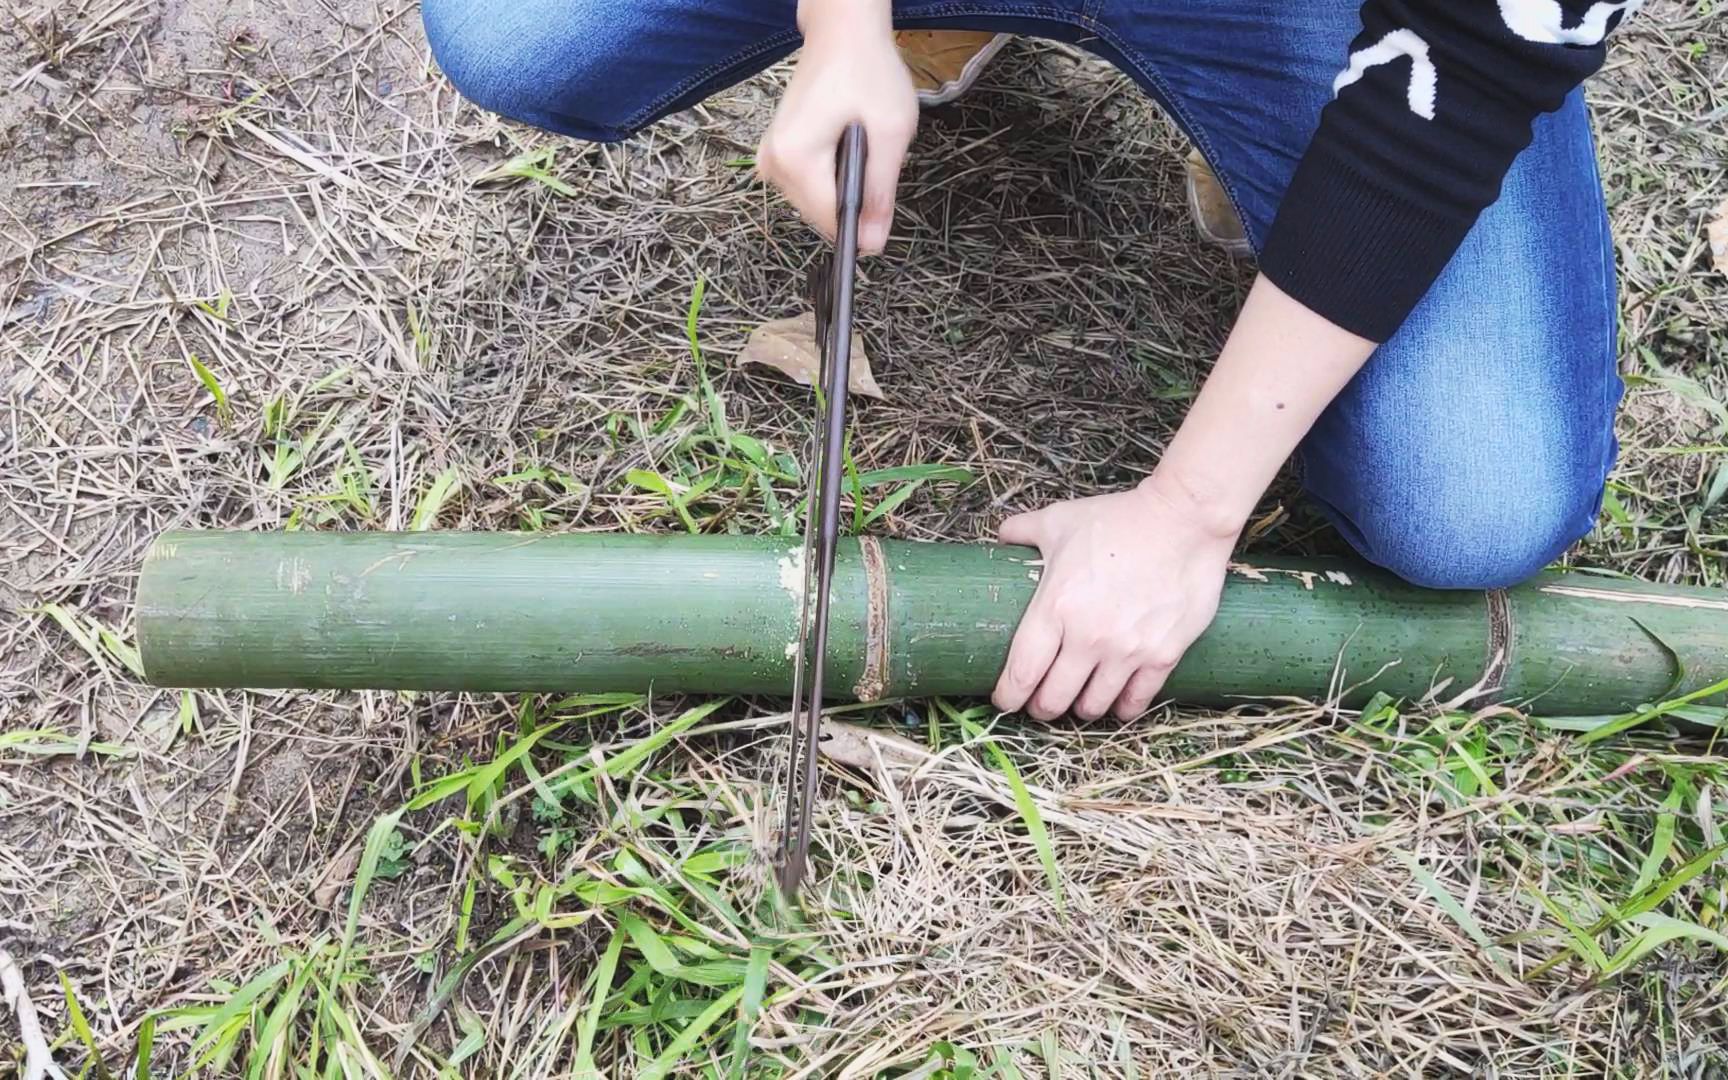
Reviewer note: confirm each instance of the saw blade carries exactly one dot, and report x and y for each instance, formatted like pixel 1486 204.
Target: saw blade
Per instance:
pixel 832 282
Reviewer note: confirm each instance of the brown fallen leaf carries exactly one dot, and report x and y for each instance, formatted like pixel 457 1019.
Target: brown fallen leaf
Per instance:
pixel 1717 233
pixel 858 747
pixel 334 880
pixel 789 347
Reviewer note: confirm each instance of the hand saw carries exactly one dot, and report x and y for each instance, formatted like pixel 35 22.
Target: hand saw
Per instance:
pixel 831 291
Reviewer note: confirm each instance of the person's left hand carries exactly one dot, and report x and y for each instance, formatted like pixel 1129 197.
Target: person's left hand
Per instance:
pixel 1129 581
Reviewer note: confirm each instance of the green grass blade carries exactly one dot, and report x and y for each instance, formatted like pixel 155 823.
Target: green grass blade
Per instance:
pixel 442 788
pixel 465 916
pixel 1455 910
pixel 890 504
pixel 345 1034
pixel 1034 824
pixel 715 407
pixel 692 1033
pixel 1028 810
pixel 659 485
pixel 376 841
pixel 749 1007
pixel 146 1048
pixel 121 650
pixel 99 642
pixel 273 1038
pixel 649 944
pixel 51 742
pixel 479 779
pixel 1662 837
pixel 1648 713
pixel 427 509
pixel 448 985
pixel 81 1028
pixel 1582 944
pixel 1658 930
pixel 1717 489
pixel 224 1042
pixel 658 949
pixel 487 776
pixel 75 629
pixel 1662 890
pixel 473 1038
pixel 1004 1065
pixel 926 472
pixel 857 489
pixel 224 411
pixel 1051 1052
pixel 532 165
pixel 212 1020
pixel 602 987
pixel 630 757
pixel 1473 767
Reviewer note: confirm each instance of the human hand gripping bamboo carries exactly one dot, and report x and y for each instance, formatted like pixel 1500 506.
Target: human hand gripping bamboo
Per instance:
pixel 1131 579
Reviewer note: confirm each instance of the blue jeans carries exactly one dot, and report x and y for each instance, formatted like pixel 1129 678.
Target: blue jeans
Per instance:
pixel 1472 448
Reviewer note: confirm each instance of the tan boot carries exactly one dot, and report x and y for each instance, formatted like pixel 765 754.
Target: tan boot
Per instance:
pixel 945 63
pixel 1213 213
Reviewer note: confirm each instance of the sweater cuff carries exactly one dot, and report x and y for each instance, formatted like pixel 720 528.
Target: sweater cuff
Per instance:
pixel 1352 251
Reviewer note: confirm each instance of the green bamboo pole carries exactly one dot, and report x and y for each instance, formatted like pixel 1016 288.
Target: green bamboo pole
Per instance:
pixel 570 612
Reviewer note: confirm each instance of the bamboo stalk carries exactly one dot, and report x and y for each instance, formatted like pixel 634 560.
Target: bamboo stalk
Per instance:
pixel 569 612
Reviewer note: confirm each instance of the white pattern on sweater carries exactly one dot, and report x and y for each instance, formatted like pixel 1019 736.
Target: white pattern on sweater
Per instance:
pixel 1424 82
pixel 1544 21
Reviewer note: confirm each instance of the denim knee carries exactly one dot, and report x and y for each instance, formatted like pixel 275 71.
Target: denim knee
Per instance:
pixel 1469 529
pixel 471 57
pixel 1485 550
pixel 528 63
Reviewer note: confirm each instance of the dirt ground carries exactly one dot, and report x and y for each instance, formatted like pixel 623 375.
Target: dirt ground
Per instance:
pixel 291 194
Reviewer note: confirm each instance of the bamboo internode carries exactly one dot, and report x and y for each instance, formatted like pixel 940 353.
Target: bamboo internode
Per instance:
pixel 596 612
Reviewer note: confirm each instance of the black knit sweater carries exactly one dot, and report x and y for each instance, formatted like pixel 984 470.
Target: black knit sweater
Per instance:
pixel 1435 102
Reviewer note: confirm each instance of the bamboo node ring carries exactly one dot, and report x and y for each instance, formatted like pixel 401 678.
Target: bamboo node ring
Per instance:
pixel 874 680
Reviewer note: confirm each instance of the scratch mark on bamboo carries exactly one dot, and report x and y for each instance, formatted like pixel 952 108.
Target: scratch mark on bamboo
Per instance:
pixel 1582 592
pixel 395 556
pixel 1258 573
pixel 791 566
pixel 522 540
pixel 292 575
pixel 1306 577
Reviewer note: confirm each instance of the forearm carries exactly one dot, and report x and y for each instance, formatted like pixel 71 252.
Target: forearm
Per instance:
pixel 817 17
pixel 1281 366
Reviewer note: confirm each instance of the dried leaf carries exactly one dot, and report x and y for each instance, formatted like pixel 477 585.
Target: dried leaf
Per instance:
pixel 789 347
pixel 858 748
pixel 335 878
pixel 1717 232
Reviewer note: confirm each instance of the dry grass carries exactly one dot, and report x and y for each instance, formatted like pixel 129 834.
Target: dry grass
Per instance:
pixel 300 202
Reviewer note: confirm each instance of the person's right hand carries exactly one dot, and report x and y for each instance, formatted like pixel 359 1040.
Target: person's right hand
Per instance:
pixel 849 70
